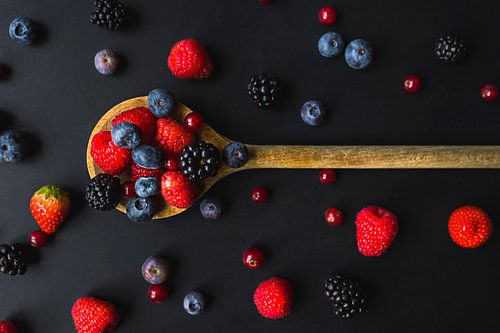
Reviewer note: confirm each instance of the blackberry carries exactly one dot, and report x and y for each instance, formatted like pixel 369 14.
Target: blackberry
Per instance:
pixel 200 160
pixel 109 14
pixel 264 90
pixel 103 192
pixel 450 48
pixel 12 259
pixel 346 295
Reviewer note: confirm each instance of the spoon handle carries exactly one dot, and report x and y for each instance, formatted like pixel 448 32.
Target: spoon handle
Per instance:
pixel 374 157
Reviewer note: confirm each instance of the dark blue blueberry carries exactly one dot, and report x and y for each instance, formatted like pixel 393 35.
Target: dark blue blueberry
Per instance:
pixel 235 154
pixel 140 209
pixel 126 135
pixel 161 102
pixel 313 112
pixel 22 30
pixel 11 147
pixel 147 156
pixel 330 45
pixel 194 303
pixel 211 208
pixel 359 54
pixel 147 187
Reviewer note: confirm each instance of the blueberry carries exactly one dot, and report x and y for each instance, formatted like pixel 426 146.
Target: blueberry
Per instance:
pixel 11 147
pixel 140 209
pixel 106 62
pixel 147 187
pixel 194 303
pixel 22 30
pixel 312 112
pixel 155 270
pixel 211 208
pixel 126 135
pixel 161 102
pixel 147 156
pixel 235 154
pixel 330 45
pixel 359 54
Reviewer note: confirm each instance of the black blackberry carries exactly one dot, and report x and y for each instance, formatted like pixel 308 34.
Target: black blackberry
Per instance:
pixel 12 259
pixel 450 48
pixel 103 192
pixel 200 160
pixel 346 295
pixel 109 14
pixel 264 90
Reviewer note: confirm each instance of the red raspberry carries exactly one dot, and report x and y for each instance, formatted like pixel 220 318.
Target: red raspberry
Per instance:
pixel 188 59
pixel 142 118
pixel 92 315
pixel 470 227
pixel 376 229
pixel 273 298
pixel 137 172
pixel 177 190
pixel 109 157
pixel 172 136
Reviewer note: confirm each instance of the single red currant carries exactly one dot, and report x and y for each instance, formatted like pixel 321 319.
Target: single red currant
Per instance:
pixel 334 216
pixel 253 258
pixel 172 163
pixel 193 121
pixel 265 2
pixel 259 194
pixel 38 239
pixel 327 176
pixel 129 190
pixel 327 15
pixel 489 92
pixel 157 293
pixel 412 83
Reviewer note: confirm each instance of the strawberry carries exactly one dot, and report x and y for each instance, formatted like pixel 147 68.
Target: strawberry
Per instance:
pixel 92 315
pixel 7 327
pixel 470 227
pixel 50 206
pixel 137 172
pixel 188 59
pixel 172 136
pixel 376 228
pixel 177 190
pixel 142 118
pixel 273 298
pixel 109 157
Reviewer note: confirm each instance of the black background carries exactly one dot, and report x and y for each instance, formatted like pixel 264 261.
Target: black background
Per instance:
pixel 423 283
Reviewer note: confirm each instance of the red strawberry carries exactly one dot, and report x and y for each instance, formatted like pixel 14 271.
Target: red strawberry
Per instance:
pixel 188 59
pixel 50 206
pixel 7 327
pixel 137 172
pixel 172 136
pixel 273 298
pixel 109 157
pixel 177 190
pixel 470 227
pixel 376 228
pixel 142 118
pixel 92 315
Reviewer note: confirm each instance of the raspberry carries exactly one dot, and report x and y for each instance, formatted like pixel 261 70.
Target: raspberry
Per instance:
pixel 189 59
pixel 177 190
pixel 172 136
pixel 142 118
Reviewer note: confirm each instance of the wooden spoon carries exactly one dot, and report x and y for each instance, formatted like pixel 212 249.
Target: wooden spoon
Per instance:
pixel 316 157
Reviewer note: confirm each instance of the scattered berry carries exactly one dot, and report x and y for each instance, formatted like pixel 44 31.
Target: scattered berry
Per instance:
pixel 38 239
pixel 334 216
pixel 450 48
pixel 11 147
pixel 189 59
pixel 161 102
pixel 2 71
pixel 22 30
pixel 489 92
pixel 194 303
pixel 264 90
pixel 7 327
pixel 147 186
pixel 50 206
pixel 142 118
pixel 327 176
pixel 346 296
pixel 92 315
pixel 359 54
pixel 235 154
pixel 137 172
pixel 330 45
pixel 126 135
pixel 312 112
pixel 211 208
pixel 140 209
pixel 148 157
pixel 171 136
pixel 253 258
pixel 106 62
pixel 327 15
pixel 376 229
pixel 172 163
pixel 109 14
pixel 265 2
pixel 412 84
pixel 273 298
pixel 157 293
pixel 199 160
pixel 12 259
pixel 259 194
pixel 103 192
pixel 155 270
pixel 129 189
pixel 177 189
pixel 194 121
pixel 470 227
pixel 108 156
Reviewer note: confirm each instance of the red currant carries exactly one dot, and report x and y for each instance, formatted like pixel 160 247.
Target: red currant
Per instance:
pixel 172 163
pixel 38 239
pixel 327 176
pixel 1 71
pixel 334 216
pixel 253 258
pixel 412 83
pixel 489 92
pixel 193 121
pixel 129 190
pixel 265 2
pixel 259 194
pixel 157 293
pixel 327 15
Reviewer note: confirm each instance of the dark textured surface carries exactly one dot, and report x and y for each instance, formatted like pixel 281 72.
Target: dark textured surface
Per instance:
pixel 423 284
